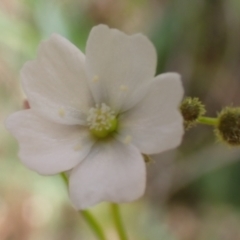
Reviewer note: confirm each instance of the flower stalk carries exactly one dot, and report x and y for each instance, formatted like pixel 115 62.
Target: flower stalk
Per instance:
pixel 118 221
pixel 208 121
pixel 93 224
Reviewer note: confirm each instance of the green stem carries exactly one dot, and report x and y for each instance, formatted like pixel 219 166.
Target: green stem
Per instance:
pixel 89 218
pixel 93 224
pixel 208 121
pixel 118 221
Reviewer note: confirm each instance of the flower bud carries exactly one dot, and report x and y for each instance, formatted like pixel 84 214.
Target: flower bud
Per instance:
pixel 191 109
pixel 228 127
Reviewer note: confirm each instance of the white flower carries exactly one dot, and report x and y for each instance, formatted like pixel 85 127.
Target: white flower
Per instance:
pixel 93 115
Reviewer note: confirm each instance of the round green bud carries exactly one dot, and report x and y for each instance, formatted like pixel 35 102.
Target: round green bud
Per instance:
pixel 228 127
pixel 191 109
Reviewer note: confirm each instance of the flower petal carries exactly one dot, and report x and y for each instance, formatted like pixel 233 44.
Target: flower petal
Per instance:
pixel 155 124
pixel 55 83
pixel 111 172
pixel 48 147
pixel 119 66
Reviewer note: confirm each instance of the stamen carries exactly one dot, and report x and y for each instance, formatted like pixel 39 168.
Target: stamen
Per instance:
pixel 77 147
pixel 123 88
pixel 127 139
pixel 61 113
pixel 95 79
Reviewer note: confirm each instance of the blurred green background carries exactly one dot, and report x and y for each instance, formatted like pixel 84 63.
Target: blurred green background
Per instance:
pixel 193 192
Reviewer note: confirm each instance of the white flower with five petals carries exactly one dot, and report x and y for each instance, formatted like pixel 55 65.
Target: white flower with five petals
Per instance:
pixel 94 115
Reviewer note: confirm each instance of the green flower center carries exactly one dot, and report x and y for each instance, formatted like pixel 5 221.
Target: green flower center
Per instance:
pixel 102 121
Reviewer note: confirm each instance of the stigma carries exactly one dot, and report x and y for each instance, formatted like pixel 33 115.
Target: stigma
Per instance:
pixel 101 120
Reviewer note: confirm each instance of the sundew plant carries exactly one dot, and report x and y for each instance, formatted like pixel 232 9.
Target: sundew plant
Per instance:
pixel 113 120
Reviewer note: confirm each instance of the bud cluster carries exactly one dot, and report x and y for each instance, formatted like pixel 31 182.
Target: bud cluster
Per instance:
pixel 228 127
pixel 191 109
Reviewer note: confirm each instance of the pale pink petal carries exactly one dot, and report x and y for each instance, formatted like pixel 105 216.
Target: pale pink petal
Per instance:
pixel 56 83
pixel 112 172
pixel 155 124
pixel 119 66
pixel 47 147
